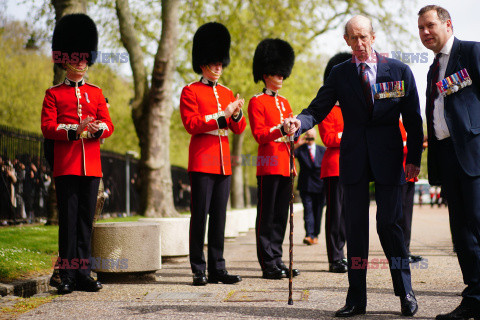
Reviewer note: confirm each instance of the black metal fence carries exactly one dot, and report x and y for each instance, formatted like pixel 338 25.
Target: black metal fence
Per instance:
pixel 26 177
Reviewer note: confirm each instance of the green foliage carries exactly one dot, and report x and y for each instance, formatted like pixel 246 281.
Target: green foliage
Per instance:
pixel 24 250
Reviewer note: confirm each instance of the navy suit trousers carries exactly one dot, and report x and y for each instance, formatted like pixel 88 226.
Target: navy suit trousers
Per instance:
pixel 463 198
pixel 389 213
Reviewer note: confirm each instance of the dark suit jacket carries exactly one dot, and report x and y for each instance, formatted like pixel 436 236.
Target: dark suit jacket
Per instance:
pixel 374 139
pixel 462 113
pixel 309 176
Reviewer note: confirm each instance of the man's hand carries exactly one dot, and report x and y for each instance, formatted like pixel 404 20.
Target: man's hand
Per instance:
pixel 291 125
pixel 94 126
pixel 234 107
pixel 83 124
pixel 411 171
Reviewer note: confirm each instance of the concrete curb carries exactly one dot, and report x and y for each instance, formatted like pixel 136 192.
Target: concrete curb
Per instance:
pixel 25 288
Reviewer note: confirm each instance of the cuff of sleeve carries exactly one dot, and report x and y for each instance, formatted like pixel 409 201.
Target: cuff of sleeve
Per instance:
pixel 238 117
pixel 72 135
pixel 222 122
pixel 98 134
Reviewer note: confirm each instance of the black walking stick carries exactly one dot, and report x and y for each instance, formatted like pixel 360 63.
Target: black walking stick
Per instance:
pixel 292 177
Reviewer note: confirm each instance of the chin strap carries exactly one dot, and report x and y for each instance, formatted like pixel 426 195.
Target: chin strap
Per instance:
pixel 69 66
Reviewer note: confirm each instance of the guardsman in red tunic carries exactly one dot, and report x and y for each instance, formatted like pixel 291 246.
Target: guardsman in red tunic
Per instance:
pixel 331 130
pixel 209 110
pixel 272 63
pixel 408 193
pixel 75 117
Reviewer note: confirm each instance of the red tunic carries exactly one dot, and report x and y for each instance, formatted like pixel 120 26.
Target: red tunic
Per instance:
pixel 266 119
pixel 329 130
pixel 405 150
pixel 61 113
pixel 202 115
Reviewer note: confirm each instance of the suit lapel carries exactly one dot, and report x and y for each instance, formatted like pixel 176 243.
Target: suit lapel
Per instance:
pixel 383 69
pixel 454 57
pixel 354 79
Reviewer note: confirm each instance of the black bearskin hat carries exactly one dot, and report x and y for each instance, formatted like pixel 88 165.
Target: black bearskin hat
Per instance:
pixel 211 44
pixel 273 57
pixel 336 59
pixel 76 35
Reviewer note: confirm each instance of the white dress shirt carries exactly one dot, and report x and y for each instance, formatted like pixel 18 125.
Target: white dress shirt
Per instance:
pixel 439 124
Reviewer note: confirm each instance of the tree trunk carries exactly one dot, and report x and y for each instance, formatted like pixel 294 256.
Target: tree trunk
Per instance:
pixel 156 157
pixel 63 7
pixel 237 191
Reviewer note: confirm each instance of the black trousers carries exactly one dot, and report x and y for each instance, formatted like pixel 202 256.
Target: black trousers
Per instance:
pixel 389 213
pixel 463 198
pixel 274 196
pixel 408 192
pixel 334 219
pixel 312 212
pixel 209 195
pixel 76 199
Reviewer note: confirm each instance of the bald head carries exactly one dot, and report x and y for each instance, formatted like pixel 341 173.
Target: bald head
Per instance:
pixel 358 21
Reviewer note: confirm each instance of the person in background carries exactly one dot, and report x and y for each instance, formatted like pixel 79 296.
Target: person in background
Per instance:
pixel 331 130
pixel 310 185
pixel 272 64
pixel 75 117
pixel 209 110
pixel 408 193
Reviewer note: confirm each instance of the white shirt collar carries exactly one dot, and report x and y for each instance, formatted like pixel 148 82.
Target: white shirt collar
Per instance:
pixel 447 48
pixel 371 61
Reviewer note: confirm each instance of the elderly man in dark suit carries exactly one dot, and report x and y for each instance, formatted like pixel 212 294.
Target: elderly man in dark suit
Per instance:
pixel 373 92
pixel 453 121
pixel 310 185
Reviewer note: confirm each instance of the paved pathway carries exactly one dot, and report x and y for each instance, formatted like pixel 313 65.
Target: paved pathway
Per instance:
pixel 437 283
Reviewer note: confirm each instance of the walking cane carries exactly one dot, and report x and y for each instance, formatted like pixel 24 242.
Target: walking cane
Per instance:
pixel 292 177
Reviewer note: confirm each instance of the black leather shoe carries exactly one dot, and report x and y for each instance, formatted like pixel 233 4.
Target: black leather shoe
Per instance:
pixel 283 267
pixel 349 311
pixel 273 273
pixel 413 258
pixel 409 304
pixel 223 276
pixel 199 278
pixel 338 266
pixel 55 279
pixel 463 311
pixel 88 284
pixel 66 286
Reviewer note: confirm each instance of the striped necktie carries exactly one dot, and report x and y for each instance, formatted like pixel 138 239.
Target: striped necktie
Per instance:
pixel 367 91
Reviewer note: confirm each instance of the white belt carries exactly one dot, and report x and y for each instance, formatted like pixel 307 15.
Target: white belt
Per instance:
pixel 218 132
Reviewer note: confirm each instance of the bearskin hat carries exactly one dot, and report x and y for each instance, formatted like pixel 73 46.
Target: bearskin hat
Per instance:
pixel 273 57
pixel 211 44
pixel 76 35
pixel 336 59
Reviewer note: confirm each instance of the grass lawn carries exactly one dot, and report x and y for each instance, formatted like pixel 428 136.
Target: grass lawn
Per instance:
pixel 27 250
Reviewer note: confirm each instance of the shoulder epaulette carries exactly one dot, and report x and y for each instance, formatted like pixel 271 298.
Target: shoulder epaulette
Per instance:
pixel 90 84
pixel 258 95
pixel 188 85
pixel 57 85
pixel 219 84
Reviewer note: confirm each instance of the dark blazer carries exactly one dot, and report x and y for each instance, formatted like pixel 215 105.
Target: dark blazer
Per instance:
pixel 309 176
pixel 462 113
pixel 376 139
